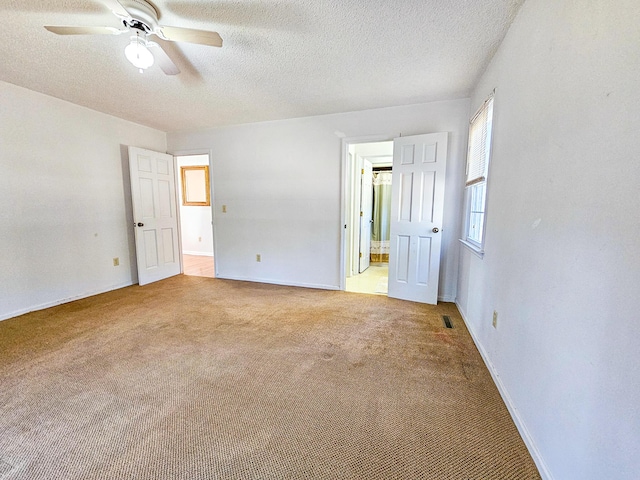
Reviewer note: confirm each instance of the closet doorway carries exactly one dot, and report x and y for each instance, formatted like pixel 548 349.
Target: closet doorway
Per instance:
pixel 369 180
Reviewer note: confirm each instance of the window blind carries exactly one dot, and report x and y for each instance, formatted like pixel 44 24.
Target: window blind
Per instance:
pixel 479 143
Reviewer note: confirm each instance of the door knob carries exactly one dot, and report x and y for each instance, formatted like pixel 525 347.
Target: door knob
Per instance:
pixel 140 224
pixel 435 230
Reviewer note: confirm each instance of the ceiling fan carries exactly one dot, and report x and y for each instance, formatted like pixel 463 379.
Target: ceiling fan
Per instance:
pixel 140 19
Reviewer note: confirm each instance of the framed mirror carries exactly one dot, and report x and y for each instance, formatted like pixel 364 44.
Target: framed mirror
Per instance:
pixel 195 186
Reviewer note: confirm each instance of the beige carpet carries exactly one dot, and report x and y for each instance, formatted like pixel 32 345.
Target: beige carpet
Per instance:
pixel 198 378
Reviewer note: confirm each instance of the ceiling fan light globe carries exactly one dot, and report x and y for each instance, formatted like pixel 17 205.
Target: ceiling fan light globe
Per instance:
pixel 138 53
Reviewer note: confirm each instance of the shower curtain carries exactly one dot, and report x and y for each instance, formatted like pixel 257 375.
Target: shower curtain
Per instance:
pixel 381 217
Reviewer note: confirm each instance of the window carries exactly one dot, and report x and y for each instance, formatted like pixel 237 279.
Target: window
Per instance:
pixel 477 172
pixel 195 186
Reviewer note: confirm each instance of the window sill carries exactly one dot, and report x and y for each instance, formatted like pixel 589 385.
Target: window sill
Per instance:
pixel 478 252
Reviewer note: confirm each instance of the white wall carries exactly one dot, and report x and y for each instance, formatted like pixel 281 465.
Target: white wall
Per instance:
pixel 195 221
pixel 562 264
pixel 64 200
pixel 281 182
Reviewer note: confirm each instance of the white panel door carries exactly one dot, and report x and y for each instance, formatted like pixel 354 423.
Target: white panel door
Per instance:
pixel 366 213
pixel 155 219
pixel 417 203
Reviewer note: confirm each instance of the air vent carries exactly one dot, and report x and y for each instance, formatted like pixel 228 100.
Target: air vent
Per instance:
pixel 447 321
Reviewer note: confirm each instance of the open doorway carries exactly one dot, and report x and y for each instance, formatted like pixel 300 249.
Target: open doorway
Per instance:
pixel 369 180
pixel 196 231
pixel 416 213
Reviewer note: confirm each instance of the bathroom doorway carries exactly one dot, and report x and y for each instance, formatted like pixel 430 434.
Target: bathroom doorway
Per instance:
pixel 369 180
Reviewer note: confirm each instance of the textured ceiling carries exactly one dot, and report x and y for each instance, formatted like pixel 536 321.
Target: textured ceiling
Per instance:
pixel 280 59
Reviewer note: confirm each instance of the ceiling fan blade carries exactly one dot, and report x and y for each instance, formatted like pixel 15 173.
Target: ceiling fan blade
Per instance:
pixel 84 30
pixel 116 7
pixel 163 60
pixel 190 35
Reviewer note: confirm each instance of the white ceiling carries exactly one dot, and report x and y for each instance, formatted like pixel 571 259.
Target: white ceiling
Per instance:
pixel 280 59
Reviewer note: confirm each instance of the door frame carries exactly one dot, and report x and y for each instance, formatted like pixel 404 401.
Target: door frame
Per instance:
pixel 366 206
pixel 186 153
pixel 346 193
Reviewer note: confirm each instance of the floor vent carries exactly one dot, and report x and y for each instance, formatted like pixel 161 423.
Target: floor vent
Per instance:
pixel 447 321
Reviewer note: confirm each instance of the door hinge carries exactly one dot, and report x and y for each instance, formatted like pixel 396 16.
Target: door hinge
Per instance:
pixel 360 254
pixel 361 214
pixel 363 171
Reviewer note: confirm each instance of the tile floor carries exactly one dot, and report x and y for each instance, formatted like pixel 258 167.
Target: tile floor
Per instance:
pixel 373 280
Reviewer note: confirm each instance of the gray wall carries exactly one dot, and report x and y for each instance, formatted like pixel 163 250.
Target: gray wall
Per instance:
pixel 562 265
pixel 65 206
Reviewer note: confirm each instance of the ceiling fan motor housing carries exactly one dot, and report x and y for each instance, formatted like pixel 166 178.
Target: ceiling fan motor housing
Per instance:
pixel 144 16
pixel 137 25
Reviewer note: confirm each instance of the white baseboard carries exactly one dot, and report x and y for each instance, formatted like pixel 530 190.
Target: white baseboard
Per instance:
pixel 515 415
pixel 286 284
pixel 197 254
pixel 55 303
pixel 446 298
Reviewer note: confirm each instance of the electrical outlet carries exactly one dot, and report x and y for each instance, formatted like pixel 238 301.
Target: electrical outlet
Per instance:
pixel 224 209
pixel 258 258
pixel 116 261
pixel 495 319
